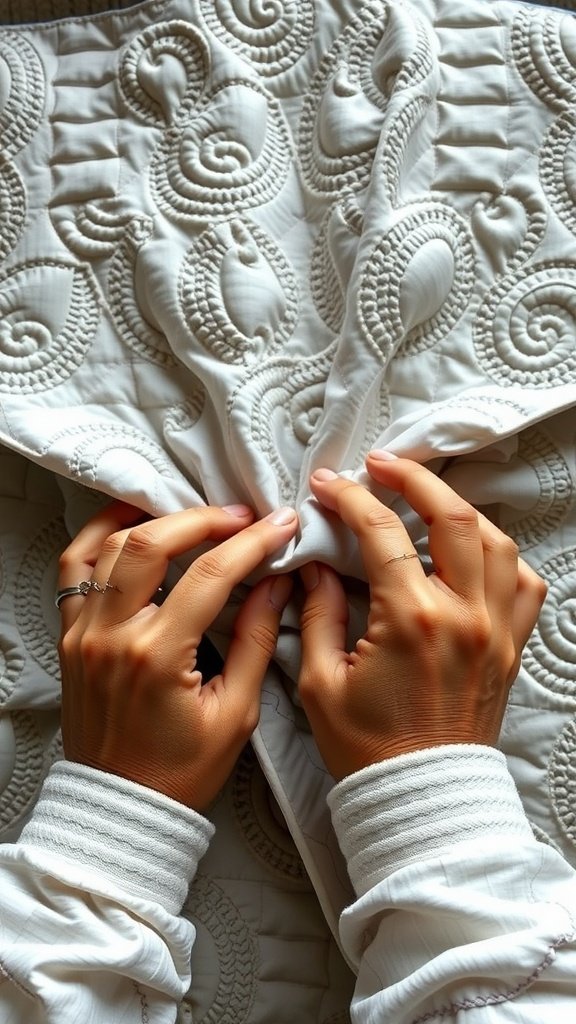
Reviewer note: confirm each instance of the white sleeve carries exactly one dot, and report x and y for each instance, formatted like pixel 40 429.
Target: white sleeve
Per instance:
pixel 89 903
pixel 461 914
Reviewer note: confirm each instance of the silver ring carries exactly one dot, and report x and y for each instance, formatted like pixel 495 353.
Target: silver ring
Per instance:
pixel 401 558
pixel 69 592
pixel 93 585
pixel 82 588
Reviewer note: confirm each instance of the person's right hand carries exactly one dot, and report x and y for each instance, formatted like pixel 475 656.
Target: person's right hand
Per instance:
pixel 440 652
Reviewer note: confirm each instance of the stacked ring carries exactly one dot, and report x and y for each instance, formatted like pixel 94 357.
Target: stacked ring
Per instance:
pixel 82 588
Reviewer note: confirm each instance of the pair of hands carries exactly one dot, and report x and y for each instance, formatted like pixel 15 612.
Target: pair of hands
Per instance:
pixel 434 666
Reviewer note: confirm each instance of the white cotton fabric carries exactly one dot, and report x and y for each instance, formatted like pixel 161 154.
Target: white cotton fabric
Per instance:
pixel 479 929
pixel 145 843
pixel 386 819
pixel 469 921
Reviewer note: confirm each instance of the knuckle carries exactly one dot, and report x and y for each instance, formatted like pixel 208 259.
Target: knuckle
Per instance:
pixel 142 543
pixel 89 646
pixel 531 581
pixel 141 652
pixel 113 544
pixel 477 631
pixel 381 518
pixel 508 548
pixel 265 638
pixel 67 560
pixel 425 618
pixel 212 566
pixel 461 516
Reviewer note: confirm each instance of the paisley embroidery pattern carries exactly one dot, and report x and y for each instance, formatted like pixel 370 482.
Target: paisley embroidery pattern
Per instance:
pixel 238 294
pixel 42 340
pixel 333 254
pixel 163 72
pixel 331 154
pixel 422 270
pixel 285 396
pixel 555 490
pixel 99 440
pixel 22 96
pixel 136 332
pixel 383 49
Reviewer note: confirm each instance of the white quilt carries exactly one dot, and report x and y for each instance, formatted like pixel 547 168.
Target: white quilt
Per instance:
pixel 240 240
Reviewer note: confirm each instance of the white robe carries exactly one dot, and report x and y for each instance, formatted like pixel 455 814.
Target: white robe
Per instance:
pixel 460 913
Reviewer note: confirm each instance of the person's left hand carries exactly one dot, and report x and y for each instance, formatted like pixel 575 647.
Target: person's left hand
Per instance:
pixel 133 703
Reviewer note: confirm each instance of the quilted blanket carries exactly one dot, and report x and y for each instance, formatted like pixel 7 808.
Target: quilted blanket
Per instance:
pixel 243 240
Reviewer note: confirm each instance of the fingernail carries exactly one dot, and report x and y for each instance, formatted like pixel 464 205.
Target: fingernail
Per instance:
pixel 237 510
pixel 310 576
pixel 280 592
pixel 324 474
pixel 382 455
pixel 281 516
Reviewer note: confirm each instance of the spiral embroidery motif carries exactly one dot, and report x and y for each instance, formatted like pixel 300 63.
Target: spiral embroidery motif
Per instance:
pixel 43 337
pixel 524 331
pixel 270 34
pixel 550 656
pixel 230 156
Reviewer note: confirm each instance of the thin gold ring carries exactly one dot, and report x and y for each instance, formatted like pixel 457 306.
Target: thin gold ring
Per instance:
pixel 401 558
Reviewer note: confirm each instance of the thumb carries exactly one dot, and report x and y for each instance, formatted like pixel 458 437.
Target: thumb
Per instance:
pixel 253 645
pixel 323 624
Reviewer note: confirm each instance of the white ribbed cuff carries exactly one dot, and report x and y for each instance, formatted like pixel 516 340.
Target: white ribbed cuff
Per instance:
pixel 145 842
pixel 418 805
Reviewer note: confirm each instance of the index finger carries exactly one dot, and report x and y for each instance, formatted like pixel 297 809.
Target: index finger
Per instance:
pixel 383 538
pixel 453 527
pixel 205 587
pixel 77 561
